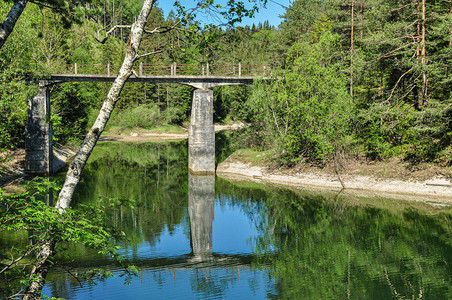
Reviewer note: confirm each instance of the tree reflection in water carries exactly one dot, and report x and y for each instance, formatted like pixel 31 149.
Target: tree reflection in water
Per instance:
pixel 302 245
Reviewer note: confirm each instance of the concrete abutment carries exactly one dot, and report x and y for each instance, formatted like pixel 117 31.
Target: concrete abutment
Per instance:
pixel 201 134
pixel 38 141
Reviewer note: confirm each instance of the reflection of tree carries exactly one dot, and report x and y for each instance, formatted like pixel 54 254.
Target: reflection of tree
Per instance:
pixel 153 174
pixel 316 246
pixel 124 169
pixel 329 250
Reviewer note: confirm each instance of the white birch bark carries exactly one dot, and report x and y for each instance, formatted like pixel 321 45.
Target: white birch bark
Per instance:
pixel 8 25
pixel 42 265
pixel 77 165
pixel 39 271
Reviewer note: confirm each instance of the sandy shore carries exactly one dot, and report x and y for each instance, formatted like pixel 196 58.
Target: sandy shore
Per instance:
pixel 435 191
pixel 163 136
pixel 143 137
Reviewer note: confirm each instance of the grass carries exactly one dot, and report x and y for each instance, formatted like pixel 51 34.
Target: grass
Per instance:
pixel 115 130
pixel 253 156
pixel 168 129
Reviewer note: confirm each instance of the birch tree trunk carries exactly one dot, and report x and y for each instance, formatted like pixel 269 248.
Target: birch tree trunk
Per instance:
pixel 77 165
pixel 43 263
pixel 39 271
pixel 7 27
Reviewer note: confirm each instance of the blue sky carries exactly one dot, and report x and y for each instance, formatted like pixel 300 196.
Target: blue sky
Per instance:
pixel 271 12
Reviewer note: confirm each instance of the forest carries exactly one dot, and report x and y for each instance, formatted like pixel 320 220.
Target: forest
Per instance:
pixel 364 79
pixel 367 78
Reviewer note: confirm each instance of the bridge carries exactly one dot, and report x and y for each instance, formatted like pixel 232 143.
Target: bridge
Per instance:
pixel 203 77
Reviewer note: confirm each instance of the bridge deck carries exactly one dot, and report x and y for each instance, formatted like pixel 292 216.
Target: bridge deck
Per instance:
pixel 196 75
pixel 183 79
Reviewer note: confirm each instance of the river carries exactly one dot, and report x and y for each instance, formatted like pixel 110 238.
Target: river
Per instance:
pixel 201 237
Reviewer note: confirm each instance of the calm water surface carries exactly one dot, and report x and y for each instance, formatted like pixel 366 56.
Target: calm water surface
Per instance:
pixel 200 237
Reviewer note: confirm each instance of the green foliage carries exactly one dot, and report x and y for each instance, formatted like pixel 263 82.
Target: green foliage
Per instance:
pixel 385 72
pixel 13 109
pixel 431 134
pixel 144 116
pixel 389 116
pixel 229 103
pixel 309 107
pixel 15 64
pixel 71 103
pixel 400 130
pixel 41 45
pixel 162 166
pixel 29 214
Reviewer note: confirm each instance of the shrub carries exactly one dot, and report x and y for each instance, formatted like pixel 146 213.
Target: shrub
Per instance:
pixel 308 111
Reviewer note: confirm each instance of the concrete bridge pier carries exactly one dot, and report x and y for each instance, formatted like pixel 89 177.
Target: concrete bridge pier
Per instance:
pixel 201 205
pixel 38 141
pixel 201 134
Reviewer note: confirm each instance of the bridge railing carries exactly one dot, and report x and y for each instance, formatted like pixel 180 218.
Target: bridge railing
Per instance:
pixel 174 69
pixel 81 69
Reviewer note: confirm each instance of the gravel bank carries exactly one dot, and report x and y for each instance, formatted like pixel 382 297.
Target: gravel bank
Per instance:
pixel 435 191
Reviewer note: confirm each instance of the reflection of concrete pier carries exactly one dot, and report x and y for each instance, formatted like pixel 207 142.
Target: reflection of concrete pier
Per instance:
pixel 201 202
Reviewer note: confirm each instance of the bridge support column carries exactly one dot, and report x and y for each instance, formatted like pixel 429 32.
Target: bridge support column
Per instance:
pixel 38 141
pixel 201 134
pixel 201 206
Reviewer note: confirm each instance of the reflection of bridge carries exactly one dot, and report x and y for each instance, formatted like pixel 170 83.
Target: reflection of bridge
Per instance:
pixel 38 144
pixel 200 266
pixel 213 276
pixel 173 263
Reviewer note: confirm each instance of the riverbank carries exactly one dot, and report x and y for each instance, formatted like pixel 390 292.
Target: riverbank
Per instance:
pixel 142 135
pixel 389 179
pixel 12 162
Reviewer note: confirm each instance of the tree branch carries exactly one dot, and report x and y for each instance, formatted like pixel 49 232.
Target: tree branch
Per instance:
pixel 8 25
pixel 14 262
pixel 107 34
pixel 155 30
pixel 390 53
pixel 150 53
pixel 397 83
pixel 45 5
